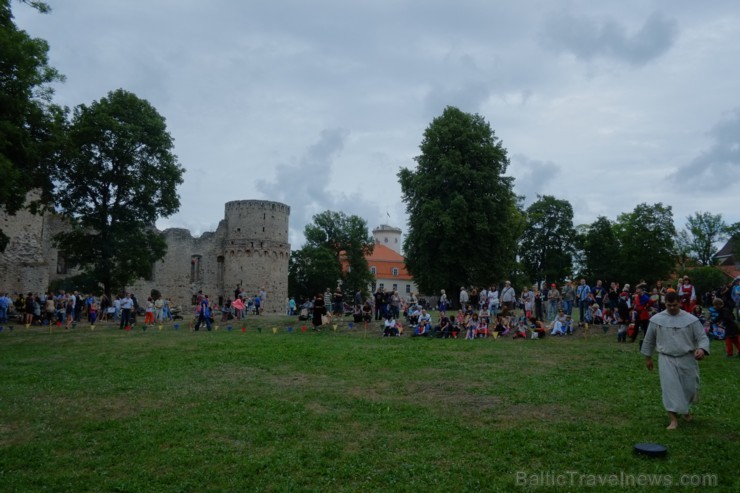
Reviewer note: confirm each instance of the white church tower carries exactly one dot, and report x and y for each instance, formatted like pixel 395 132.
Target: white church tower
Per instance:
pixel 388 236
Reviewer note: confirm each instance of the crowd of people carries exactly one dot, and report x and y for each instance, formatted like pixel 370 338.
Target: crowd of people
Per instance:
pixel 69 308
pixel 533 312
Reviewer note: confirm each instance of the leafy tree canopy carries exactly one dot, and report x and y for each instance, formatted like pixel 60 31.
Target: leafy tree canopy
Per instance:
pixel 704 230
pixel 601 251
pixel 117 175
pixel 463 215
pixel 30 125
pixel 548 240
pixel 646 236
pixel 333 239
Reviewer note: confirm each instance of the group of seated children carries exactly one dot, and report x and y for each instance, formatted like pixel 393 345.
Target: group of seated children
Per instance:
pixel 392 327
pixel 562 325
pixel 362 313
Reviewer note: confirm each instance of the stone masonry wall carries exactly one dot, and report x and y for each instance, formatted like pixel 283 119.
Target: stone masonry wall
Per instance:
pixel 249 248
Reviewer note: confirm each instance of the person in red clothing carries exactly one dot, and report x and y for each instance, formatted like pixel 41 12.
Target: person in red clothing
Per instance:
pixel 686 295
pixel 642 303
pixel 726 319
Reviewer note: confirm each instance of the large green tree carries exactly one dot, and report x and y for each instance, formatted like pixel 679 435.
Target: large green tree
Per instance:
pixel 601 251
pixel 646 236
pixel 704 230
pixel 336 249
pixel 463 215
pixel 547 243
pixel 312 269
pixel 116 176
pixel 30 125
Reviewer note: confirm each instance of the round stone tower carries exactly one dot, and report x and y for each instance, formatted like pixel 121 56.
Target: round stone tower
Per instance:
pixel 256 250
pixel 388 236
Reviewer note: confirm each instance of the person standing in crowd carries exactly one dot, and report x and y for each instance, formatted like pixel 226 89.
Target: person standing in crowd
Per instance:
pixel 681 342
pixel 338 302
pixel 379 298
pixel 568 295
pixel 127 304
pixel 686 294
pixel 735 296
pixel 641 303
pixel 726 319
pixel 508 297
pixel 553 302
pixel 204 314
pixel 493 300
pixel 263 300
pixel 599 294
pixel 463 298
pixel 442 303
pixel 582 294
pixel 319 311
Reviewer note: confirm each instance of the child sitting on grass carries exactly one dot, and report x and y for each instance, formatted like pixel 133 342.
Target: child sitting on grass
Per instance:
pixel 538 328
pixel 500 328
pixel 470 326
pixel 389 326
pixel 482 329
pixel 519 329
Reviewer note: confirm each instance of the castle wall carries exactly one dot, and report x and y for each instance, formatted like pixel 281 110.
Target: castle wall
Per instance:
pixel 23 265
pixel 249 248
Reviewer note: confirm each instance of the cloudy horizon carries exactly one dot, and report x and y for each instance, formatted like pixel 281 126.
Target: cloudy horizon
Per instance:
pixel 319 104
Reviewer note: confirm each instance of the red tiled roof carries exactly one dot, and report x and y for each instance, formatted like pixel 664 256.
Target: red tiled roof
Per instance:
pixel 385 260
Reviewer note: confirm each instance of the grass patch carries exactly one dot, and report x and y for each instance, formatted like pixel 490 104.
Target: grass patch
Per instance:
pixel 175 411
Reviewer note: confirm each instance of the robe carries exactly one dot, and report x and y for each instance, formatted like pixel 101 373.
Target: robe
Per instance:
pixel 676 337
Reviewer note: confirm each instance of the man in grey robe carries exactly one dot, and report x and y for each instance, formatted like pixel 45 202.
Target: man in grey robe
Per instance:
pixel 680 341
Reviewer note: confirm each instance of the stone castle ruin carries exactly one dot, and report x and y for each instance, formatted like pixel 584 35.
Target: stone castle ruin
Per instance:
pixel 249 249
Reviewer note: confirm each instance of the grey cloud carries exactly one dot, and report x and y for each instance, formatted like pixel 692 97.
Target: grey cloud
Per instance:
pixel 589 39
pixel 718 167
pixel 532 177
pixel 304 185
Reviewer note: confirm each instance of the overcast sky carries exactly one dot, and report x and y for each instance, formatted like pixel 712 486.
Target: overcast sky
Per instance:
pixel 319 103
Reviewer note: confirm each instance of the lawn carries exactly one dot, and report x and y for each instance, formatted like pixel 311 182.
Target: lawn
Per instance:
pixel 347 410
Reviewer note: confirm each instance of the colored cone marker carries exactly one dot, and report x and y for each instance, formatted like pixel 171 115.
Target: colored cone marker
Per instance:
pixel 351 325
pixel 335 327
pixel 303 329
pixel 244 329
pixel 274 329
pixel 177 326
pixel 160 327
pixel 228 328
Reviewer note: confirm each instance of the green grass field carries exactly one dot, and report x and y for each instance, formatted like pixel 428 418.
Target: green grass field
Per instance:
pixel 181 411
